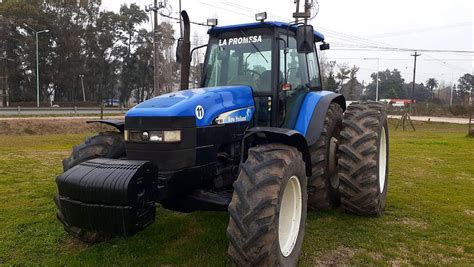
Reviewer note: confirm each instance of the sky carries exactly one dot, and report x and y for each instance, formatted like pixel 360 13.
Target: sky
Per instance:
pixel 363 24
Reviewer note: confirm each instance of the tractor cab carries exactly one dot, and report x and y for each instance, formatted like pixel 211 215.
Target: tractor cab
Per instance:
pixel 264 56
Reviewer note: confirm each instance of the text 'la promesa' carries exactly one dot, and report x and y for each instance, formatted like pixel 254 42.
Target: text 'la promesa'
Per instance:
pixel 241 40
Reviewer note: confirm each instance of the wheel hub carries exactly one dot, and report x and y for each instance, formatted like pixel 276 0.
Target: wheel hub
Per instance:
pixel 332 162
pixel 382 160
pixel 290 216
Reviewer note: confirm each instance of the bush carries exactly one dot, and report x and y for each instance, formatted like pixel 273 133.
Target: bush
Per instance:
pixel 459 110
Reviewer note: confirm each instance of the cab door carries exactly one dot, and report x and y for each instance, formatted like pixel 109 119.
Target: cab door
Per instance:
pixel 299 74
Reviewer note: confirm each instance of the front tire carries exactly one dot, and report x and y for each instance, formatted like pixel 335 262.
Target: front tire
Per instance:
pixel 268 208
pixel 104 145
pixel 363 159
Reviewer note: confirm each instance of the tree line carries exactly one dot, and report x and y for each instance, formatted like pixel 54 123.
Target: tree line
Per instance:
pixel 341 77
pixel 110 53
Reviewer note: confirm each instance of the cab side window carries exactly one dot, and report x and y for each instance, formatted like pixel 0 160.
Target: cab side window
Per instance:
pixel 313 66
pixel 302 70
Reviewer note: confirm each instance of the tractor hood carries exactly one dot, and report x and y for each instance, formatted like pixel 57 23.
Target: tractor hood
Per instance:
pixel 205 104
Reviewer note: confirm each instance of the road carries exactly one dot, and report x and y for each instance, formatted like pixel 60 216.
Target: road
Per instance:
pixel 15 111
pixel 435 119
pixel 61 118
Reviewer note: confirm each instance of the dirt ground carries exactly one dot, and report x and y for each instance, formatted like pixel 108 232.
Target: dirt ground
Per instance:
pixel 50 126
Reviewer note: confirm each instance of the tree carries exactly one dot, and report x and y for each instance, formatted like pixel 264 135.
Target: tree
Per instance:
pixel 343 74
pixel 197 60
pixel 390 83
pixel 422 93
pixel 112 51
pixel 432 83
pixel 130 19
pixel 353 89
pixel 465 87
pixel 329 79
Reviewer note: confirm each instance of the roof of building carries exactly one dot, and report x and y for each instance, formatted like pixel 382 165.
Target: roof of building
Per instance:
pixel 319 37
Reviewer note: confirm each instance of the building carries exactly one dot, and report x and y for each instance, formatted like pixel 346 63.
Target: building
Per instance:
pixel 398 102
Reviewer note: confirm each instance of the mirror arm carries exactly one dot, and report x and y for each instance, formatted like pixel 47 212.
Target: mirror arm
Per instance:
pixel 194 49
pixel 285 59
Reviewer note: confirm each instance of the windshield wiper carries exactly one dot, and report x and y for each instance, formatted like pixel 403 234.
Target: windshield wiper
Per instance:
pixel 256 48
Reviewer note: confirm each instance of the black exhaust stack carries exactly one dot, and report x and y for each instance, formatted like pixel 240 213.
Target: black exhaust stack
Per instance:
pixel 185 52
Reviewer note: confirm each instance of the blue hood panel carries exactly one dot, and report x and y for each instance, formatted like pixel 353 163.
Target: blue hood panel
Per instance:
pixel 208 103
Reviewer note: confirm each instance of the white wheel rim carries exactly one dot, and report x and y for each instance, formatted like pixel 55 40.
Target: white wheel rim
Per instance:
pixel 290 216
pixel 382 160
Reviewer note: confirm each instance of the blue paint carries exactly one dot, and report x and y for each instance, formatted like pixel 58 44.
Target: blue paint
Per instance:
pixel 309 104
pixel 319 37
pixel 214 100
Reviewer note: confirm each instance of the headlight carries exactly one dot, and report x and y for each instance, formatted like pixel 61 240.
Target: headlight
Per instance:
pixel 153 136
pixel 125 135
pixel 172 136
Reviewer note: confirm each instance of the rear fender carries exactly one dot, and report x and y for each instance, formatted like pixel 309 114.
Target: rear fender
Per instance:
pixel 311 118
pixel 265 135
pixel 119 125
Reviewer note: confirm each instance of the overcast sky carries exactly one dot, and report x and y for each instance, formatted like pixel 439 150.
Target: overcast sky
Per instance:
pixel 417 24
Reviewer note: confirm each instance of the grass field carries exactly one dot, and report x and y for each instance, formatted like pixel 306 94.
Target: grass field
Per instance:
pixel 429 218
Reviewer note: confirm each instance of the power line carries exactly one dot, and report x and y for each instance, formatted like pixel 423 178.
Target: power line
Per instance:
pixel 376 48
pixel 192 22
pixel 435 28
pixel 405 59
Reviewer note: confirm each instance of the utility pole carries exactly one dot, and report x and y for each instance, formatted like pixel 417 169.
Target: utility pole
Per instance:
pixel 37 62
pixel 414 77
pixel 180 21
pixel 156 58
pixel 156 49
pixel 82 83
pixel 306 14
pixel 451 95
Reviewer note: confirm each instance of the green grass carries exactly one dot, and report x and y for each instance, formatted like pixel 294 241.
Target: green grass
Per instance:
pixel 429 218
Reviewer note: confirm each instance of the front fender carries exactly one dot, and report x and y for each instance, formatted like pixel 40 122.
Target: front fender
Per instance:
pixel 259 135
pixel 120 125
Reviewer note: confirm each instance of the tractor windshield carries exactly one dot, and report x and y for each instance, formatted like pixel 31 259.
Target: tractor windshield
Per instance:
pixel 240 59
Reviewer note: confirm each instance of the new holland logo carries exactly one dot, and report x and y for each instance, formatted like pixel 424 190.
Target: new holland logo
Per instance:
pixel 199 112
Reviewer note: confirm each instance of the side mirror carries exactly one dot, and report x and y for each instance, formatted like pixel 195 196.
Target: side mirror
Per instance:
pixel 305 39
pixel 324 47
pixel 179 49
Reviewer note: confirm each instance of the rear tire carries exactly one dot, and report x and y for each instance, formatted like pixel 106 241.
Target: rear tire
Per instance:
pixel 104 145
pixel 323 185
pixel 363 159
pixel 268 208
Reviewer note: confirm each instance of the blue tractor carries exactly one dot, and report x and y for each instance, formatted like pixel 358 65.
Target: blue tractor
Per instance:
pixel 260 139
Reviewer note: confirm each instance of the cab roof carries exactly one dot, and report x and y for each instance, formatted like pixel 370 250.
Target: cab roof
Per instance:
pixel 319 37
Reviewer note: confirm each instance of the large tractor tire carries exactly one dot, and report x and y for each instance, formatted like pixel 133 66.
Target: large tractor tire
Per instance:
pixel 363 159
pixel 323 192
pixel 104 145
pixel 268 208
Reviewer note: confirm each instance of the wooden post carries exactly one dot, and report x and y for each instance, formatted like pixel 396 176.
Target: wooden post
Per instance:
pixel 470 131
